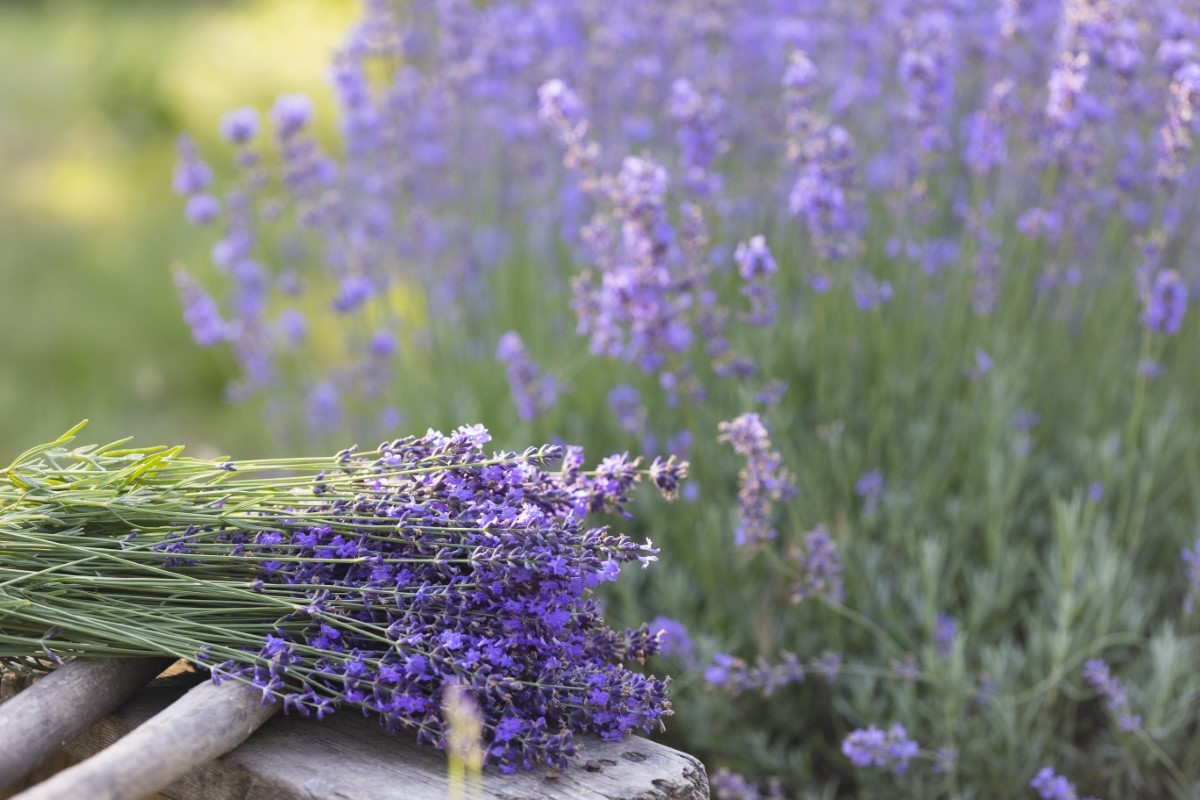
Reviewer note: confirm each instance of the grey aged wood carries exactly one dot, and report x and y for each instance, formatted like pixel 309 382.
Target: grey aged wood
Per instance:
pixel 349 757
pixel 208 721
pixel 40 720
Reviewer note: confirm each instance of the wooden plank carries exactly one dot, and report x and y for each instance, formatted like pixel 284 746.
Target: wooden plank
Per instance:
pixel 349 757
pixel 37 722
pixel 208 721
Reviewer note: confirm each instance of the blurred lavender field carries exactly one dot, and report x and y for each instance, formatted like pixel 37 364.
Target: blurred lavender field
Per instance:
pixel 906 283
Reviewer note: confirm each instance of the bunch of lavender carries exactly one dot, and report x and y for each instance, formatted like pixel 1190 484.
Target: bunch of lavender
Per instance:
pixel 377 580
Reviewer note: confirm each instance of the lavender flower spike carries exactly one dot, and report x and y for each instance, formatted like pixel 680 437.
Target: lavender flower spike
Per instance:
pixel 533 392
pixel 873 748
pixel 1166 303
pixel 763 481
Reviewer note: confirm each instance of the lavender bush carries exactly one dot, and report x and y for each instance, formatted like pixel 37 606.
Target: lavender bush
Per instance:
pixel 907 281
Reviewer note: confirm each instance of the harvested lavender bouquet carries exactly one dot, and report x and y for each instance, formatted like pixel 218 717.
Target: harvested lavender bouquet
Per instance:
pixel 375 580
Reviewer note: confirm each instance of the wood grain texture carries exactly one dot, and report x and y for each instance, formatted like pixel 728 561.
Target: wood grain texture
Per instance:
pixel 349 757
pixel 207 721
pixel 37 722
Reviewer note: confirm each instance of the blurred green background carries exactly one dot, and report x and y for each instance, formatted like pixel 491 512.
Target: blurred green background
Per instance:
pixel 92 96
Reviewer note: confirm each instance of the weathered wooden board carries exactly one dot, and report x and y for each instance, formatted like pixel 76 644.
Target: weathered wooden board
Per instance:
pixel 37 722
pixel 349 757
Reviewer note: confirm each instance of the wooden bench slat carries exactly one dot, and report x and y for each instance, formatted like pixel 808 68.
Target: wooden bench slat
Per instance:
pixel 39 721
pixel 349 757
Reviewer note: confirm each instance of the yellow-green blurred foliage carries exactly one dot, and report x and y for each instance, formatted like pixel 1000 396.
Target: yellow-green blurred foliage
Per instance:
pixel 92 96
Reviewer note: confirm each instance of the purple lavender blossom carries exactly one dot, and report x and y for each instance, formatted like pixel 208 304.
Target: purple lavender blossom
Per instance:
pixel 828 665
pixel 982 364
pixel 870 294
pixel 192 175
pixel 699 135
pixel 756 265
pixel 533 393
pixel 202 208
pixel 1166 303
pixel 945 760
pixel 945 631
pixel 871 747
pixel 239 126
pixel 870 489
pixel 1024 420
pixel 729 785
pixel 324 408
pixel 291 114
pixel 820 568
pixel 564 113
pixel 986 148
pixel 675 641
pixel 736 677
pixel 625 402
pixel 200 311
pixel 1098 674
pixel 762 482
pixel 1175 134
pixel 1053 787
pixel 292 326
pixel 925 70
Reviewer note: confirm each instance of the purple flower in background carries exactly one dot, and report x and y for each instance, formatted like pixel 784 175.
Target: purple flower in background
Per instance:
pixel 1175 135
pixel 945 760
pixel 870 489
pixel 1095 492
pixel 291 114
pixel 1024 420
pixel 292 326
pixel 383 343
pixel 239 126
pixel 200 311
pixel 736 677
pixel 1040 223
pixel 1191 558
pixel 762 482
pixel 202 209
pixel 872 747
pixel 925 70
pixel 1053 787
pixel 699 135
pixel 728 672
pixel 756 265
pixel 870 294
pixel 192 175
pixel 729 785
pixel 828 665
pixel 626 403
pixel 1098 674
pixel 820 568
pixel 1151 368
pixel 945 631
pixel 1166 303
pixel 981 366
pixel 324 408
pixel 560 109
pixel 754 259
pixel 675 641
pixel 353 291
pixel 533 393
pixel 986 147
